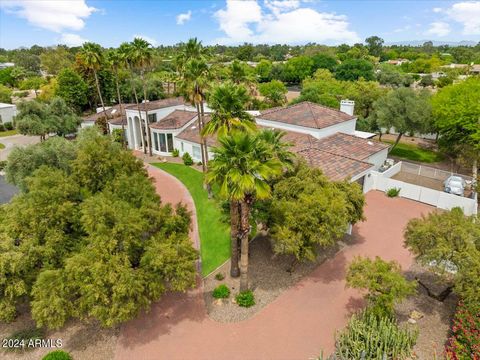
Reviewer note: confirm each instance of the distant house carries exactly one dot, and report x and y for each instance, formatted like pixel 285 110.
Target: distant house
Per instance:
pixel 324 137
pixel 6 65
pixel 475 69
pixel 7 112
pixel 398 62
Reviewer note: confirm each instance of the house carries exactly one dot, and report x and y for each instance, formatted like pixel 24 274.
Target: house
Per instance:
pixel 7 112
pixel 398 62
pixel 475 69
pixel 5 65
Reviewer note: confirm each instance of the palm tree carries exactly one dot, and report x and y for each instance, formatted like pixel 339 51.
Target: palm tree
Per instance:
pixel 192 49
pixel 228 101
pixel 278 148
pixel 195 80
pixel 90 55
pixel 115 62
pixel 242 165
pixel 141 56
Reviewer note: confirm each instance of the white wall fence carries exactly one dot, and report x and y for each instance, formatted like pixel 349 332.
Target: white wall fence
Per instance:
pixel 383 182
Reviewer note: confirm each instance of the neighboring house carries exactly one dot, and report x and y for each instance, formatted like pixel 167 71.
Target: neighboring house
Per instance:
pixel 7 113
pixel 398 62
pixel 113 113
pixel 475 69
pixel 6 65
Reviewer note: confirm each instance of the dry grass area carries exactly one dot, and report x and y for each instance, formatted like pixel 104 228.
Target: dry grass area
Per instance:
pixel 434 326
pixel 268 276
pixel 82 341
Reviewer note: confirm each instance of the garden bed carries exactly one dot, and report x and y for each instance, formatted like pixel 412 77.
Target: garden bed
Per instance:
pixel 268 278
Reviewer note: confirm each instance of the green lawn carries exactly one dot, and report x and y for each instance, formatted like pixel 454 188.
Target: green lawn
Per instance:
pixel 414 153
pixel 214 232
pixel 2 146
pixel 8 133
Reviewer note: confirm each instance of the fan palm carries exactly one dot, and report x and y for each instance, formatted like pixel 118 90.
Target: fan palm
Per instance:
pixel 141 55
pixel 242 165
pixel 192 49
pixel 90 55
pixel 278 148
pixel 228 101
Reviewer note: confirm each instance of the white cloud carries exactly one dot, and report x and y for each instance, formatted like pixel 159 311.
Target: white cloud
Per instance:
pixel 50 14
pixel 151 40
pixel 438 28
pixel 403 29
pixel 280 22
pixel 437 10
pixel 468 14
pixel 71 40
pixel 184 17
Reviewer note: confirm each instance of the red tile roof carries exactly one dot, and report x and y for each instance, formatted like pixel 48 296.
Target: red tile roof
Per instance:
pixel 176 120
pixel 192 134
pixel 335 167
pixel 350 145
pixel 306 114
pixel 158 104
pixel 113 113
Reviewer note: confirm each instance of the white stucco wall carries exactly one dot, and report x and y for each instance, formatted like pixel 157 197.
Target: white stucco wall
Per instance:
pixel 378 159
pixel 7 112
pixel 347 127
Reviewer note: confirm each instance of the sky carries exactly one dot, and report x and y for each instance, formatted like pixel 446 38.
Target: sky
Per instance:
pixel 231 22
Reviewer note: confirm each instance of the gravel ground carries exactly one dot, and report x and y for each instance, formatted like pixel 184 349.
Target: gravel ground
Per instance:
pixel 82 341
pixel 434 326
pixel 268 278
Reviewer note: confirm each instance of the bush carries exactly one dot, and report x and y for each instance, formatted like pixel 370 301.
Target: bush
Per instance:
pixel 245 299
pixel 187 159
pixel 24 336
pixel 371 337
pixel 465 340
pixel 8 126
pixel 221 292
pixel 21 94
pixel 218 276
pixel 175 153
pixel 199 163
pixel 3 164
pixel 2 127
pixel 58 355
pixel 393 192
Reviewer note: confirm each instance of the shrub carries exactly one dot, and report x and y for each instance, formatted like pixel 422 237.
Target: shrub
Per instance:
pixel 199 163
pixel 8 126
pixel 368 336
pixel 393 192
pixel 24 336
pixel 175 153
pixel 221 292
pixel 2 127
pixel 187 159
pixel 465 340
pixel 57 355
pixel 245 299
pixel 21 94
pixel 218 276
pixel 3 164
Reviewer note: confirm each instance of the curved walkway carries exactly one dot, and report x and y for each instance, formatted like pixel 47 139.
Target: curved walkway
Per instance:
pixel 299 324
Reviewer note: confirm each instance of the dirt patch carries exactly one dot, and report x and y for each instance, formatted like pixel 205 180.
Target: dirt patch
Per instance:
pixel 268 277
pixel 434 326
pixel 83 341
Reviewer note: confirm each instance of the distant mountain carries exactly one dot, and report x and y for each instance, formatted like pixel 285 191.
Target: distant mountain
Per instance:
pixel 435 43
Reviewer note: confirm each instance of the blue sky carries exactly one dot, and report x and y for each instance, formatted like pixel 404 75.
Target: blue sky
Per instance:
pixel 25 23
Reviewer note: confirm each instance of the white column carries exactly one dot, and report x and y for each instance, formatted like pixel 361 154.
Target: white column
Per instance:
pixel 134 123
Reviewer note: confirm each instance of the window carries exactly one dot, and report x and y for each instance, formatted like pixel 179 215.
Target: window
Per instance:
pixel 181 145
pixel 155 138
pixel 152 118
pixel 169 142
pixel 196 152
pixel 163 144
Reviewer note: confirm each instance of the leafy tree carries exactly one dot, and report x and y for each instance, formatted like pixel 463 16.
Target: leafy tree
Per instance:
pixel 354 69
pixel 33 83
pixel 391 75
pixel 383 281
pixel 6 77
pixel 264 70
pixel 404 109
pixel 242 165
pixel 296 69
pixel 427 80
pixel 324 61
pixel 53 60
pixel 23 161
pixel 71 88
pixel 274 92
pixel 323 89
pixel 82 247
pixel 456 110
pixel 450 242
pixel 310 213
pixel 28 61
pixel 374 45
pixel 5 94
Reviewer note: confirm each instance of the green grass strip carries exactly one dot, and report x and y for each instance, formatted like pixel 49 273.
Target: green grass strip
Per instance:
pixel 214 232
pixel 415 153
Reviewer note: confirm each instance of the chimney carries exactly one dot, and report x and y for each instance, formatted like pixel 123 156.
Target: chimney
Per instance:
pixel 347 106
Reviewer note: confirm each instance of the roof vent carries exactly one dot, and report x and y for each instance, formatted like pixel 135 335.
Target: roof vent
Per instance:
pixel 369 143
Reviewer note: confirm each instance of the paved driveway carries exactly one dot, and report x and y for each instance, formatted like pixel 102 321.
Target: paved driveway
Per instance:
pixel 299 324
pixel 7 191
pixel 15 140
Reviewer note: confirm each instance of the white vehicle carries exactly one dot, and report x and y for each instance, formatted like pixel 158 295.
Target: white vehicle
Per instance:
pixel 455 185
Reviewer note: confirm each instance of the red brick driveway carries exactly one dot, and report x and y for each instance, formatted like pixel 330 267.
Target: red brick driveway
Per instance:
pixel 297 325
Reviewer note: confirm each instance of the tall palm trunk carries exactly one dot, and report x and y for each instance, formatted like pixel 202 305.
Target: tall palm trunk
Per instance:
pixel 245 207
pixel 200 127
pixel 147 128
pixel 234 232
pixel 101 98
pixel 205 147
pixel 124 143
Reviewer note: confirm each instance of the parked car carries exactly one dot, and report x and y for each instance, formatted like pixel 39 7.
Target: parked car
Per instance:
pixel 455 185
